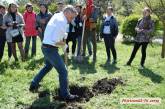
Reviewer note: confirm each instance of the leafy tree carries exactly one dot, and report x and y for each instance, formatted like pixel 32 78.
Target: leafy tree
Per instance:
pixel 22 2
pixel 124 7
pixel 52 7
pixel 158 8
pixel 5 3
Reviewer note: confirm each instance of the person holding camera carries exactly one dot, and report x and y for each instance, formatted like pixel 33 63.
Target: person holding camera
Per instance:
pixel 14 22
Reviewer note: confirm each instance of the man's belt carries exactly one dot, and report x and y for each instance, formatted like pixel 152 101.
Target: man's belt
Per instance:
pixel 49 46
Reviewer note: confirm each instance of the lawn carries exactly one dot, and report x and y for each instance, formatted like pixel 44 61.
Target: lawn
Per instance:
pixel 146 83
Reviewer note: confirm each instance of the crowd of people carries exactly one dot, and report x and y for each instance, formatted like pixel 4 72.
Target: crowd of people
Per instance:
pixel 15 27
pixel 78 22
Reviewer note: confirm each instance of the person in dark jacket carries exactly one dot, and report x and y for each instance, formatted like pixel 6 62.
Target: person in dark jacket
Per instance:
pixel 144 28
pixel 42 19
pixel 71 37
pixel 79 28
pixel 109 31
pixel 3 35
pixel 60 7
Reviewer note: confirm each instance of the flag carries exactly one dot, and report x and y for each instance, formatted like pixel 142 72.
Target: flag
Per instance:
pixel 89 7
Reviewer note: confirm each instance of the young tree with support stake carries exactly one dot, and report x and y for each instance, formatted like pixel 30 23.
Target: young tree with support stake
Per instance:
pixel 158 8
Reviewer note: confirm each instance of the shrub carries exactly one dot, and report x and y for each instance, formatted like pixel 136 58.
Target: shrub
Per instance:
pixel 128 26
pixel 22 9
pixel 119 19
pixel 52 8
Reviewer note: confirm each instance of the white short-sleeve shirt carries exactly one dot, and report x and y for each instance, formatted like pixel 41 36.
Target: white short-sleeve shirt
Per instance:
pixel 56 29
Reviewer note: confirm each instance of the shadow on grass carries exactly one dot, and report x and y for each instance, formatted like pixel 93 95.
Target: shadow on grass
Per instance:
pixel 149 73
pixel 3 67
pixel 34 64
pixel 85 67
pixel 128 42
pixel 44 101
pixel 15 65
pixel 111 68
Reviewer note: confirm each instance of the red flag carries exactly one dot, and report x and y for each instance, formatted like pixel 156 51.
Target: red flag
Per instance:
pixel 89 7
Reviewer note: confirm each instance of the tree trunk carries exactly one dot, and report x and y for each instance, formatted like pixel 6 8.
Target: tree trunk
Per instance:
pixel 163 45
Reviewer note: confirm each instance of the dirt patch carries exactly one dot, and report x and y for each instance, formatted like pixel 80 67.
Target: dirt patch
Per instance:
pixel 43 94
pixel 106 86
pixel 69 106
pixel 84 93
pixel 53 106
pixel 39 107
pixel 103 86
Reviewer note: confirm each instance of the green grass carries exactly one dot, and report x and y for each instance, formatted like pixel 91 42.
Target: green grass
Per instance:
pixel 150 82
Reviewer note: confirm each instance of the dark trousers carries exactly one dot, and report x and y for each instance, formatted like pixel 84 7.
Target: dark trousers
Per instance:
pixel 143 51
pixel 27 44
pixel 110 46
pixel 87 35
pixel 41 36
pixel 2 46
pixel 71 37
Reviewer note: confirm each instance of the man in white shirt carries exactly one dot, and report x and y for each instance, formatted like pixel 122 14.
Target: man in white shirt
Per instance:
pixel 54 36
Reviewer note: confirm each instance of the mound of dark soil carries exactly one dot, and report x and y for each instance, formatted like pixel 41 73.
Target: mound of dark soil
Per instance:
pixel 62 106
pixel 70 106
pixel 84 93
pixel 106 86
pixel 43 94
pixel 103 86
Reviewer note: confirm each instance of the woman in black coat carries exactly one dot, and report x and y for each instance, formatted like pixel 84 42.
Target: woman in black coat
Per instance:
pixel 144 28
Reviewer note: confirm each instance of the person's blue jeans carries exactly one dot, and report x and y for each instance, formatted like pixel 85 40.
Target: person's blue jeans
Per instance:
pixel 89 45
pixel 88 40
pixel 53 59
pixel 79 38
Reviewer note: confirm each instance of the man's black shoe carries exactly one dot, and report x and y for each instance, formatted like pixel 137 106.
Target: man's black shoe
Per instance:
pixel 34 88
pixel 70 98
pixel 114 62
pixel 128 64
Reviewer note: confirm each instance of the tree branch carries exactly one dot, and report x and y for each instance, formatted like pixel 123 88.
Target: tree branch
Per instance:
pixel 162 3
